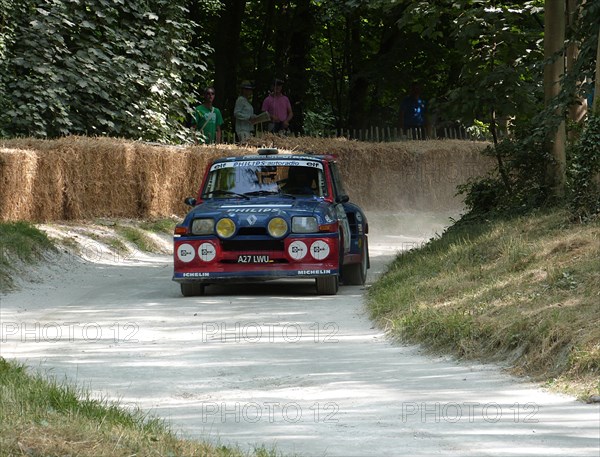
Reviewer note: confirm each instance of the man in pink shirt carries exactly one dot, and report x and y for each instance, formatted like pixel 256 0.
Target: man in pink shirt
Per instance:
pixel 279 108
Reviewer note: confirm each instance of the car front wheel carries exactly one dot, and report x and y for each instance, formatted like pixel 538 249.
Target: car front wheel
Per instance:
pixel 192 290
pixel 327 285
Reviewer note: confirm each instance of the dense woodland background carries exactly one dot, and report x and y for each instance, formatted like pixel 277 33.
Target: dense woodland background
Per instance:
pixel 135 68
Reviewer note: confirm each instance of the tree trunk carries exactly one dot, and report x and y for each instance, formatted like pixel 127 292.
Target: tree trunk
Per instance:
pixel 596 102
pixel 554 35
pixel 227 47
pixel 357 95
pixel 299 62
pixel 282 37
pixel 577 110
pixel 264 65
pixel 336 82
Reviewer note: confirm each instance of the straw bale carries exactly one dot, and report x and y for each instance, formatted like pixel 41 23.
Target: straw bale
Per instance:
pixel 410 175
pixel 83 178
pixel 17 173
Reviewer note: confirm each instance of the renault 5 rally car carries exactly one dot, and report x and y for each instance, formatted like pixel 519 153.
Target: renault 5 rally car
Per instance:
pixel 271 216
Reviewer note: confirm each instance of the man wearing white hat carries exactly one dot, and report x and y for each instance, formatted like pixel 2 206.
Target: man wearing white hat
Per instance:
pixel 244 113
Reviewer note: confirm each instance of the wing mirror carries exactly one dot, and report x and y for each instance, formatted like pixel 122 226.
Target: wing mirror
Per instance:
pixel 342 199
pixel 190 201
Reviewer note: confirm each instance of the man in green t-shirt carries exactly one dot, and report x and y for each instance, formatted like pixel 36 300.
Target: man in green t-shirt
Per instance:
pixel 207 120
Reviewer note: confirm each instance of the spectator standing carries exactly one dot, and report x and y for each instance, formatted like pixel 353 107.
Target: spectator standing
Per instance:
pixel 590 100
pixel 207 120
pixel 279 108
pixel 244 113
pixel 413 113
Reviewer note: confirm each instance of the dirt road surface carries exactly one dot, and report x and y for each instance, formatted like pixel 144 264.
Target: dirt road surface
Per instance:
pixel 276 365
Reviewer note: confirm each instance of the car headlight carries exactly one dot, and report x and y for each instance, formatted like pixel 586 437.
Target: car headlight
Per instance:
pixel 203 226
pixel 225 228
pixel 277 227
pixel 303 224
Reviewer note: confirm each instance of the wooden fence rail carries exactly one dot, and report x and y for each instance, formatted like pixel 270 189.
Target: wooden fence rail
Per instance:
pixel 387 134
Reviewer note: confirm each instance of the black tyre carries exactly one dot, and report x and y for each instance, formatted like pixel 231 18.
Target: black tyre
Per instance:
pixel 356 274
pixel 192 290
pixel 327 285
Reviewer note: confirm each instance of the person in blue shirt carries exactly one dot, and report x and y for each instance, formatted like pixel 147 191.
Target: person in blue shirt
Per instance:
pixel 413 112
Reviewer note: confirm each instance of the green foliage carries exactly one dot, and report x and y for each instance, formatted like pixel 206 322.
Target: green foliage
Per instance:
pixel 584 171
pixel 129 68
pixel 497 49
pixel 579 81
pixel 319 123
pixel 7 28
pixel 97 68
pixel 480 130
pixel 517 185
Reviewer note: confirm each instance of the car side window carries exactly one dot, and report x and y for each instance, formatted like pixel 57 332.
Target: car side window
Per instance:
pixel 337 181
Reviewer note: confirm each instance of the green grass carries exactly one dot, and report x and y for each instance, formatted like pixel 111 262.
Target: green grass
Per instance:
pixel 159 226
pixel 116 244
pixel 42 417
pixel 523 291
pixel 137 237
pixel 22 240
pixel 19 242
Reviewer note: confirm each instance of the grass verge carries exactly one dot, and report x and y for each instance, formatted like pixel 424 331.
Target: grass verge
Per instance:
pixel 139 236
pixel 164 226
pixel 40 417
pixel 20 242
pixel 523 291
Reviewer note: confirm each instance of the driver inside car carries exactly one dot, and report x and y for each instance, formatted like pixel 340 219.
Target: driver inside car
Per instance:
pixel 300 181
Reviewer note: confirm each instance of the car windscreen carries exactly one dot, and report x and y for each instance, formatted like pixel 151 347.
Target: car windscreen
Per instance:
pixel 257 178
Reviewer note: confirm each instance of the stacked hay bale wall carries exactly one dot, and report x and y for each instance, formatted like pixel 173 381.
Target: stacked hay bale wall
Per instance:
pixel 83 178
pixel 407 175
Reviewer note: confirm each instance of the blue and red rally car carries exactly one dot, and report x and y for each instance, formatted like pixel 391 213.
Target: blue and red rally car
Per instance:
pixel 271 216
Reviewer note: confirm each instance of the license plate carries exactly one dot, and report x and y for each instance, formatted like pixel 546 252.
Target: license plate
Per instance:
pixel 253 259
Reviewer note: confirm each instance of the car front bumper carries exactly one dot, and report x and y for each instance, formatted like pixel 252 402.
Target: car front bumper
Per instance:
pixel 208 259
